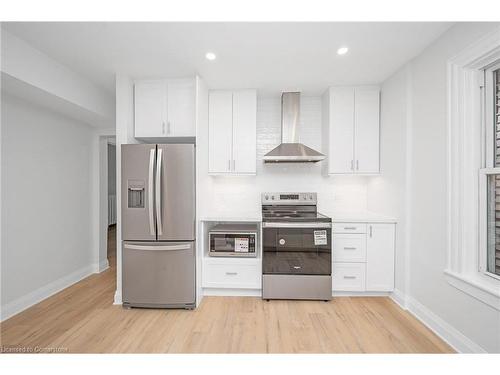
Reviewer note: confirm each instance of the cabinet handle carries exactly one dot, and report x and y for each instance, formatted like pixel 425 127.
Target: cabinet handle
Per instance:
pixel 168 127
pixel 371 231
pixel 357 165
pixel 349 228
pixel 163 127
pixel 231 273
pixel 229 164
pixel 352 165
pixel 234 165
pixel 349 248
pixel 349 277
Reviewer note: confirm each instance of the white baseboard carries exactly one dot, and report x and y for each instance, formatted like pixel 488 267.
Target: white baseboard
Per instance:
pixel 400 298
pixel 118 298
pixel 445 331
pixel 358 294
pixel 229 292
pixel 103 265
pixel 38 295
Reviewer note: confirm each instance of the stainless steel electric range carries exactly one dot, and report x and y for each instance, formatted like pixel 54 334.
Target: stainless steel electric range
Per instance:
pixel 297 248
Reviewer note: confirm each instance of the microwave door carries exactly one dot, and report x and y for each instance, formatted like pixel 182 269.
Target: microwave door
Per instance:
pixel 137 184
pixel 175 192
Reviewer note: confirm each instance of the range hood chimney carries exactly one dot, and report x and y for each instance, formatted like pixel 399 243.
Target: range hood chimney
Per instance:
pixel 290 150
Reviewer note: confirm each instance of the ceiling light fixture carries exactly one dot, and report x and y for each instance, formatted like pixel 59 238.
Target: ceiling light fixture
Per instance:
pixel 210 56
pixel 342 51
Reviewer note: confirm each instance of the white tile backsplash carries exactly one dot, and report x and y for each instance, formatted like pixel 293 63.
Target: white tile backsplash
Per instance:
pixel 229 195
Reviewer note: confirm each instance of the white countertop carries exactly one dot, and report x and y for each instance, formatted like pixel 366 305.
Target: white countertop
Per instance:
pixel 338 217
pixel 359 217
pixel 243 217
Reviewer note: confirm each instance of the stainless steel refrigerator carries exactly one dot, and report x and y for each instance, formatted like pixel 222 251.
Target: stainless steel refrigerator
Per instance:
pixel 158 225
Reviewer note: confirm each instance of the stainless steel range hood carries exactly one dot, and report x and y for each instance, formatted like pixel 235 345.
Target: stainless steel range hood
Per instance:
pixel 290 150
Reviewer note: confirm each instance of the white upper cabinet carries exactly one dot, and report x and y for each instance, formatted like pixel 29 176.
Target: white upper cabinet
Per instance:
pixel 380 257
pixel 341 134
pixel 165 108
pixel 220 131
pixel 150 99
pixel 367 130
pixel 352 131
pixel 232 122
pixel 244 131
pixel 181 108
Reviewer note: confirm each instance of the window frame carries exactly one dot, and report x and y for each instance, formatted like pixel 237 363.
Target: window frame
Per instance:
pixel 488 122
pixel 484 173
pixel 469 164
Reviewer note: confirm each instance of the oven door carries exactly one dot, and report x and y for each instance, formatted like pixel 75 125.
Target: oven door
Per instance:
pixel 297 249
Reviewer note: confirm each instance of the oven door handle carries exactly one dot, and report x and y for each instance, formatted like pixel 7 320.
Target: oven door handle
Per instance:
pixel 295 225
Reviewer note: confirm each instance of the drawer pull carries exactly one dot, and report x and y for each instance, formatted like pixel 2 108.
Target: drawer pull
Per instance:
pixel 349 248
pixel 231 273
pixel 350 228
pixel 349 277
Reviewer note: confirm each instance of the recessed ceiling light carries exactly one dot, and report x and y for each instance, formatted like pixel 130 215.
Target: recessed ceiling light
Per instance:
pixel 210 56
pixel 342 50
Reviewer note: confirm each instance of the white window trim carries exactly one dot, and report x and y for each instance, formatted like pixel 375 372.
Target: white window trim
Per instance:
pixel 465 159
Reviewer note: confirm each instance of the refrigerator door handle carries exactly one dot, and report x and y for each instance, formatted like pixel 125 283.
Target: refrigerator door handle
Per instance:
pixel 150 192
pixel 158 187
pixel 158 248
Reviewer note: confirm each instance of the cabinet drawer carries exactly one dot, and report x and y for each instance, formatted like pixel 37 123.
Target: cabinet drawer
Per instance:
pixel 349 248
pixel 231 276
pixel 348 277
pixel 349 228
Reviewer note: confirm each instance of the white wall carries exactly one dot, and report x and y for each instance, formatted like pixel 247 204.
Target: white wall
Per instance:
pixel 46 215
pixel 474 319
pixel 27 64
pixel 240 195
pixel 467 323
pixel 124 135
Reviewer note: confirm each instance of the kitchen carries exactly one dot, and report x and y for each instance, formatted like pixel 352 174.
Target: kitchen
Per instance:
pixel 256 197
pixel 363 242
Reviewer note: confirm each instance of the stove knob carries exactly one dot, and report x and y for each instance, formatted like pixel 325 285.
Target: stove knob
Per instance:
pixel 310 197
pixel 282 241
pixel 267 197
pixel 272 197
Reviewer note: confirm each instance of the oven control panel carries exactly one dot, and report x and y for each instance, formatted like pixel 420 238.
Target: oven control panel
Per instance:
pixel 288 198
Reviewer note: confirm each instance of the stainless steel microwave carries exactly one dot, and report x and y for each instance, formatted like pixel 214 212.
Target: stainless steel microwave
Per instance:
pixel 233 240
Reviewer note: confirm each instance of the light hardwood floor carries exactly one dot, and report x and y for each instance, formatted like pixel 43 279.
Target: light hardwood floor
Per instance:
pixel 82 319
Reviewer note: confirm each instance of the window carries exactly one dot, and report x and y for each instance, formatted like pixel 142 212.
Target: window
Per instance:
pixel 491 109
pixel 473 225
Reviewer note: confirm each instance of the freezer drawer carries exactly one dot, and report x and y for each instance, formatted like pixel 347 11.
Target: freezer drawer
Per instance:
pixel 159 274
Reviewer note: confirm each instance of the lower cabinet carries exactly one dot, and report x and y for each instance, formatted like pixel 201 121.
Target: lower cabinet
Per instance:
pixel 232 274
pixel 380 243
pixel 363 261
pixel 348 276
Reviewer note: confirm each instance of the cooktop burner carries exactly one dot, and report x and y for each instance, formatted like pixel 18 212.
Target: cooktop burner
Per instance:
pixel 292 207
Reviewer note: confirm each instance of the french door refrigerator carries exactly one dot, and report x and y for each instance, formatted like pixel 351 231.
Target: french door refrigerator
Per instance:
pixel 158 225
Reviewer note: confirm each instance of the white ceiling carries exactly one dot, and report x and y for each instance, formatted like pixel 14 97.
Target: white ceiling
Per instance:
pixel 268 56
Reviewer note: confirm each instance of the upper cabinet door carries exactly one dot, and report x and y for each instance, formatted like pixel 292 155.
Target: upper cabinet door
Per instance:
pixel 367 130
pixel 220 131
pixel 380 257
pixel 244 131
pixel 150 109
pixel 181 108
pixel 341 134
